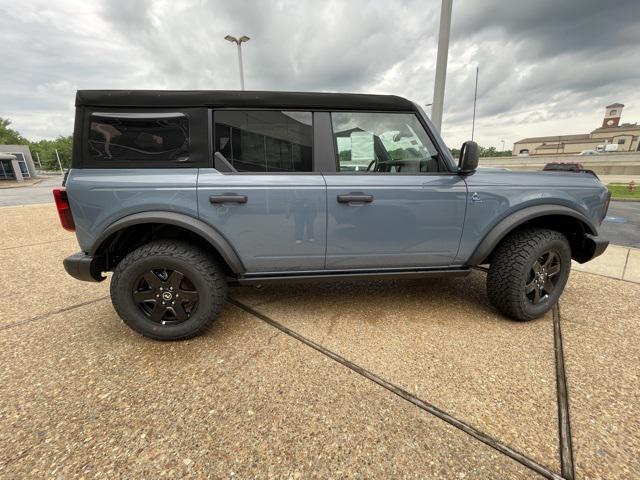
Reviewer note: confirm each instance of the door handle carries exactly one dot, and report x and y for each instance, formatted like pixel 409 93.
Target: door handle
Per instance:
pixel 228 199
pixel 361 198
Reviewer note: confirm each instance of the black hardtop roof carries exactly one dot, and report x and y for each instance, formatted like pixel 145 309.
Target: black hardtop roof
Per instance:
pixel 239 99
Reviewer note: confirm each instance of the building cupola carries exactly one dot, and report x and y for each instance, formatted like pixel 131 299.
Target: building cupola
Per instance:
pixel 612 114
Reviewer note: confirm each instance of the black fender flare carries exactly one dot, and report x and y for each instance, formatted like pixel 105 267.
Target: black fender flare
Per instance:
pixel 200 228
pixel 507 224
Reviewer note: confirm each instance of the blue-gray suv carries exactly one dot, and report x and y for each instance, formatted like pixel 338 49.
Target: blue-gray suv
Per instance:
pixel 181 193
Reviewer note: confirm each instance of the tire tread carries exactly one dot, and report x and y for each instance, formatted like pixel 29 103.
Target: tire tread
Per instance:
pixel 198 259
pixel 511 260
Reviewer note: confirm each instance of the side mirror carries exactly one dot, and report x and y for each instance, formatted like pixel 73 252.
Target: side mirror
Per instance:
pixel 469 154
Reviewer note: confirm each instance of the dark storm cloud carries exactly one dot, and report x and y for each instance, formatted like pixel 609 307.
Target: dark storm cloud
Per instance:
pixel 546 27
pixel 540 61
pixel 294 46
pixel 543 61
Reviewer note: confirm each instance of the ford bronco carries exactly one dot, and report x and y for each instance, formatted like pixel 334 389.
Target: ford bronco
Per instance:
pixel 181 193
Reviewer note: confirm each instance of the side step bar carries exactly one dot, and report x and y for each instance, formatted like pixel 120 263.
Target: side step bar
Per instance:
pixel 322 275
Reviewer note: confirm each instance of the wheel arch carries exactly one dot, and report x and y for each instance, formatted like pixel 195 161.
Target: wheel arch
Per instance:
pixel 574 225
pixel 129 232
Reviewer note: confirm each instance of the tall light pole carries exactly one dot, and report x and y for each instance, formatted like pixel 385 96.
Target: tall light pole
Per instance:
pixel 238 42
pixel 502 145
pixel 441 63
pixel 475 98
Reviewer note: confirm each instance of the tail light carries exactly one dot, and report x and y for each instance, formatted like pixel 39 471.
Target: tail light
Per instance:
pixel 64 210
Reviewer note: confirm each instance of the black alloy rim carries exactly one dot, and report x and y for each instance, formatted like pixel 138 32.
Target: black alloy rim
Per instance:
pixel 164 296
pixel 543 277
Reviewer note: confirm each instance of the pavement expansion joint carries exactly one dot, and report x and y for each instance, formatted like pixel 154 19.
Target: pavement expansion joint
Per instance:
pixel 54 312
pixel 429 408
pixel 34 244
pixel 564 424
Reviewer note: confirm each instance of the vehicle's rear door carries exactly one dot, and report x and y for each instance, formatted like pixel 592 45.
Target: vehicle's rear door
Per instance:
pixel 391 201
pixel 272 208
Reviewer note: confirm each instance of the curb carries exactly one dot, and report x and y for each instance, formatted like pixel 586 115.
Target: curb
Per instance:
pixel 625 199
pixel 29 184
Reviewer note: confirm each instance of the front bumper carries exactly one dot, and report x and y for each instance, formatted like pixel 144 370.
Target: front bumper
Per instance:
pixel 84 267
pixel 593 246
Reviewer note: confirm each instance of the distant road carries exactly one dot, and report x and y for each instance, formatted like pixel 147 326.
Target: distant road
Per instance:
pixel 622 225
pixel 40 193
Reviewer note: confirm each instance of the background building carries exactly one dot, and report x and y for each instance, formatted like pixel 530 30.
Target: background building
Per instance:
pixel 16 163
pixel 624 136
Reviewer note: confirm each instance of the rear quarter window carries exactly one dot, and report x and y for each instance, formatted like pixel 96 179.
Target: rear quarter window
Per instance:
pixel 138 137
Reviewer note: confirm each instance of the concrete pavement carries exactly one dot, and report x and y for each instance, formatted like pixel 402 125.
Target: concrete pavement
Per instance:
pixel 31 194
pixel 621 263
pixel 83 396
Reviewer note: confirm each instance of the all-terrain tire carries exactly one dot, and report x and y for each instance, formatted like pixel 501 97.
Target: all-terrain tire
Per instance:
pixel 511 270
pixel 200 268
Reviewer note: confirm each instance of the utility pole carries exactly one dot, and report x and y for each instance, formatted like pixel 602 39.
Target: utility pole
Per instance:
pixel 59 163
pixel 441 63
pixel 475 98
pixel 238 42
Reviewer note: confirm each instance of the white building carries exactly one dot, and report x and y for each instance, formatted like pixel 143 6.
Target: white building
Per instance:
pixel 16 163
pixel 624 136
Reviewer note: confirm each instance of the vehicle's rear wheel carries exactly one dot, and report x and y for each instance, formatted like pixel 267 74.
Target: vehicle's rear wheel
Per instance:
pixel 528 272
pixel 168 290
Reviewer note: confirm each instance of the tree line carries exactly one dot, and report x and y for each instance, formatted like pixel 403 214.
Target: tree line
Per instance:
pixel 484 152
pixel 45 149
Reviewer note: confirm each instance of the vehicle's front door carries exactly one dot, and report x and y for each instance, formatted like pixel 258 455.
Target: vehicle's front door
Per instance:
pixel 272 208
pixel 391 203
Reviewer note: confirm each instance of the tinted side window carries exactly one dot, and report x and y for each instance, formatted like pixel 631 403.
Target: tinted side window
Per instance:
pixel 382 142
pixel 139 137
pixel 265 141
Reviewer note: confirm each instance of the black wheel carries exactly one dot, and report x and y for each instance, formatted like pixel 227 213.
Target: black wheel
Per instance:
pixel 168 290
pixel 528 272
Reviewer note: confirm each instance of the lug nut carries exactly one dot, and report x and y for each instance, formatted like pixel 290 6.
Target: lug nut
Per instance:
pixel 157 296
pixel 173 303
pixel 161 289
pixel 177 295
pixel 170 288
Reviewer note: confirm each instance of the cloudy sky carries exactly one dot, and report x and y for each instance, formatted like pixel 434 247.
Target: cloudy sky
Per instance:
pixel 546 66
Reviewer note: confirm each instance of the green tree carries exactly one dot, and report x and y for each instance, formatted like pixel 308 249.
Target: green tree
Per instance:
pixel 484 152
pixel 46 149
pixel 9 136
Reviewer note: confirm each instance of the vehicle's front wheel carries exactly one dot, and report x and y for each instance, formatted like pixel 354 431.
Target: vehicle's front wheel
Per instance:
pixel 528 272
pixel 168 290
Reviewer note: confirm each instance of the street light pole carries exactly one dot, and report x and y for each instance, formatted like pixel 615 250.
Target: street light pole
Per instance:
pixel 238 42
pixel 475 97
pixel 502 145
pixel 441 63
